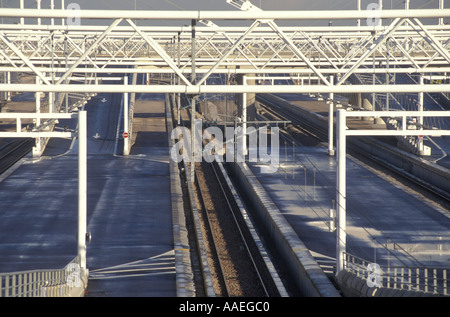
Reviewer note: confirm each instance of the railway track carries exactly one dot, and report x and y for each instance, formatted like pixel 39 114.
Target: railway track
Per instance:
pixel 12 151
pixel 237 267
pixel 307 134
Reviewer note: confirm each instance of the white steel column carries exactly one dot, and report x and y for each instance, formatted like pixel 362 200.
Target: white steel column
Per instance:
pixel 38 5
pixel 244 118
pixel 331 121
pixel 341 238
pixel 63 7
pixel 52 7
pixel 51 97
pixel 193 101
pixel 178 79
pixel 8 79
pixel 82 187
pixel 37 122
pixel 193 145
pixel 358 7
pixel 126 136
pixel 22 20
pixel 420 118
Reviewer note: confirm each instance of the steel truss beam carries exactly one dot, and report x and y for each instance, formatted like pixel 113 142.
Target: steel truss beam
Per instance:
pixel 264 47
pixel 311 44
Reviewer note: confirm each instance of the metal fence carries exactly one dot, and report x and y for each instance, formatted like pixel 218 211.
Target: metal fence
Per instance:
pixel 419 279
pixel 43 283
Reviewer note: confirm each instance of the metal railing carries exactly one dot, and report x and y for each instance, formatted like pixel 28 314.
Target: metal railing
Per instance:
pixel 418 279
pixel 43 283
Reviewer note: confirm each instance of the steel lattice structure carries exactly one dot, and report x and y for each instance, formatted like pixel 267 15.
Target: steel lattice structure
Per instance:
pixel 400 43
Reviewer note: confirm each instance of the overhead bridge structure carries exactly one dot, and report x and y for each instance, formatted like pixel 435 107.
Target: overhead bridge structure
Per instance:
pixel 381 60
pixel 399 41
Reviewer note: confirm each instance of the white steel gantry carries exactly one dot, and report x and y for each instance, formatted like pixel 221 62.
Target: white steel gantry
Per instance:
pixel 403 43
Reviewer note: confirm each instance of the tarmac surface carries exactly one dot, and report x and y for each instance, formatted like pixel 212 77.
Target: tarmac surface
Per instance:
pixel 129 204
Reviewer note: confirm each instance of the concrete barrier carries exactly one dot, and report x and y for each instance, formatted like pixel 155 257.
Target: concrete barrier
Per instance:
pixel 185 275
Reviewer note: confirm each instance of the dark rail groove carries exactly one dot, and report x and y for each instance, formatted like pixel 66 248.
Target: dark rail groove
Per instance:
pixel 13 151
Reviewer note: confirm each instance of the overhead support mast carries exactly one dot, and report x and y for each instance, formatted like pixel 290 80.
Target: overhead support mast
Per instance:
pixel 126 113
pixel 193 98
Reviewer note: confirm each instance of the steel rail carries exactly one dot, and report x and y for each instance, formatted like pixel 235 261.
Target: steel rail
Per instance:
pixel 241 232
pixel 213 237
pixel 13 151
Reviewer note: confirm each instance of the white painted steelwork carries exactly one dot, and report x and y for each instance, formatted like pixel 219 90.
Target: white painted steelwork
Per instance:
pixel 262 47
pixel 126 146
pixel 82 160
pixel 342 132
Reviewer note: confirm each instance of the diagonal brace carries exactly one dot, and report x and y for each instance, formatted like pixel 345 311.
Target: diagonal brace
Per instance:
pixel 24 59
pixel 295 49
pixel 433 41
pixel 235 45
pixel 89 50
pixel 383 37
pixel 159 50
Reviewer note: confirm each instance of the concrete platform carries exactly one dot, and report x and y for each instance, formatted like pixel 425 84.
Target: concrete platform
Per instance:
pixel 380 211
pixel 138 246
pixel 136 239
